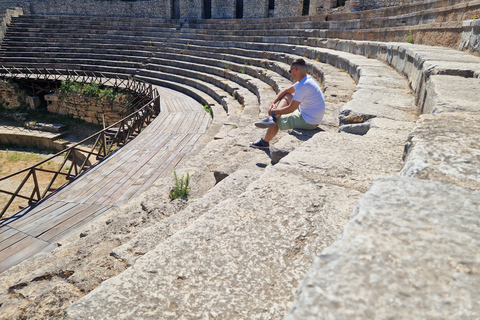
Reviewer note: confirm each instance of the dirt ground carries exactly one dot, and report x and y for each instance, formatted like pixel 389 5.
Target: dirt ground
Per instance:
pixel 17 158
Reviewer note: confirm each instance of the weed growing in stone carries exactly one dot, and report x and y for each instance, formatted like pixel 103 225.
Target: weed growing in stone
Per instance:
pixel 181 188
pixel 226 65
pixel 410 36
pixel 208 109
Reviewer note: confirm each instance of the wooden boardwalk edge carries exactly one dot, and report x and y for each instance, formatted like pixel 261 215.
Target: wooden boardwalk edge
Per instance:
pixel 154 153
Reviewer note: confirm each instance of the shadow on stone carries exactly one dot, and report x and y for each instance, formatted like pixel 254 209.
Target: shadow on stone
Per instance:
pixel 289 143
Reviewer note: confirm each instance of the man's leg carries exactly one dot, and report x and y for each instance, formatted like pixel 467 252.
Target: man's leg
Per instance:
pixel 271 133
pixel 283 103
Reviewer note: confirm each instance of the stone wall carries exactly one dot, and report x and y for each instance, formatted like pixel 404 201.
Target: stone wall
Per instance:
pixel 255 9
pixel 89 109
pixel 11 96
pixel 223 9
pixel 288 8
pixel 470 40
pixel 375 4
pixel 189 9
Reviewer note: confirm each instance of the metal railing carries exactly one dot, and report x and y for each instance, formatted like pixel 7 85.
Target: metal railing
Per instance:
pixel 106 140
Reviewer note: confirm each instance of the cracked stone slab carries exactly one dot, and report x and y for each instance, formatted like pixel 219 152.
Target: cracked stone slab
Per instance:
pixel 445 147
pixel 451 94
pixel 346 160
pixel 406 253
pixel 149 238
pixel 242 259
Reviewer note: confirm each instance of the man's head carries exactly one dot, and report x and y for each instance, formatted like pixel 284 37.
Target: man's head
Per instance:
pixel 298 69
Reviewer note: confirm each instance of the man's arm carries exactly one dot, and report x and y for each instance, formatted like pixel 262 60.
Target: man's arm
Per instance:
pixel 279 97
pixel 288 109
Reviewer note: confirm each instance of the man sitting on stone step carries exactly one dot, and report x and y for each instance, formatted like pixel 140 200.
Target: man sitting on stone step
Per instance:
pixel 299 106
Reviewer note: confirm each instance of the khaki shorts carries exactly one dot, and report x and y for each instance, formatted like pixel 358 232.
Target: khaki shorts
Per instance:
pixel 294 120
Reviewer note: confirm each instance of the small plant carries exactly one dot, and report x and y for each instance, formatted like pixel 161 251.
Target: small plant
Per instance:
pixel 410 36
pixel 181 188
pixel 243 71
pixel 188 45
pixel 208 109
pixel 475 17
pixel 226 65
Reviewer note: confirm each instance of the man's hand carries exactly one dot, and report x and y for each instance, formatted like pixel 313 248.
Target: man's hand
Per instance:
pixel 272 106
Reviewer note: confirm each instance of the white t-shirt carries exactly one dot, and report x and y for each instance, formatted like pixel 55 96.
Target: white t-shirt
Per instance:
pixel 310 96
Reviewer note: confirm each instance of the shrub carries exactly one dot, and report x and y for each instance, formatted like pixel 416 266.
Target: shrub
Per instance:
pixel 181 188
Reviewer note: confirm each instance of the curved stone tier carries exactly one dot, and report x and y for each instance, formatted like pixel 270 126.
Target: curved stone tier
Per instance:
pixel 244 244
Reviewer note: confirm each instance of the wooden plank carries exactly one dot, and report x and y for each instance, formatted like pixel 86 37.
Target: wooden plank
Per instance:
pixel 99 181
pixel 135 179
pixel 18 236
pixel 198 119
pixel 177 117
pixel 163 171
pixel 36 213
pixel 123 194
pixel 71 225
pixel 190 144
pixel 20 246
pixel 85 185
pixel 22 250
pixel 127 178
pixel 9 232
pixel 38 226
pixel 188 123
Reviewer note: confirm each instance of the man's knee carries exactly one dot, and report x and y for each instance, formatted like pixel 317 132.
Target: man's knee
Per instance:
pixel 288 97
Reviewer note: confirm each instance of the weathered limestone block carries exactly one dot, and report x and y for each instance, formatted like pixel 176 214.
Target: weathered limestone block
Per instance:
pixel 240 260
pixel 406 253
pixel 288 143
pixel 445 147
pixel 149 238
pixel 327 4
pixel 346 160
pixel 451 94
pixel 470 36
pixel 357 128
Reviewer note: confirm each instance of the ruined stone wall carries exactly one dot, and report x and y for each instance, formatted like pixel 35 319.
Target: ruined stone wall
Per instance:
pixel 89 109
pixel 11 96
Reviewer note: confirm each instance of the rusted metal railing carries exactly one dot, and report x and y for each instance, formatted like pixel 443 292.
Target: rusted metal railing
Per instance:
pixel 116 134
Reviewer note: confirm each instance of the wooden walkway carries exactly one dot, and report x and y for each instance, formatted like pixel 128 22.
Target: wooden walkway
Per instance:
pixel 119 178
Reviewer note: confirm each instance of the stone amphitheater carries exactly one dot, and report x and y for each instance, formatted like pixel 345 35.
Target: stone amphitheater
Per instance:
pixel 375 215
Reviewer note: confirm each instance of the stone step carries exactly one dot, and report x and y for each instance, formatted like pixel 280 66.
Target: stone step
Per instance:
pixel 440 134
pixel 267 235
pixel 402 244
pixel 148 239
pixel 435 74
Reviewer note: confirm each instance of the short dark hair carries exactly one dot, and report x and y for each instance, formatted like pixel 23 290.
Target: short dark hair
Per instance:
pixel 299 62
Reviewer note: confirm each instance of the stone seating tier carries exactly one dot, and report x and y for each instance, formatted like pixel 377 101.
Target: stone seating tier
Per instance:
pixel 302 227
